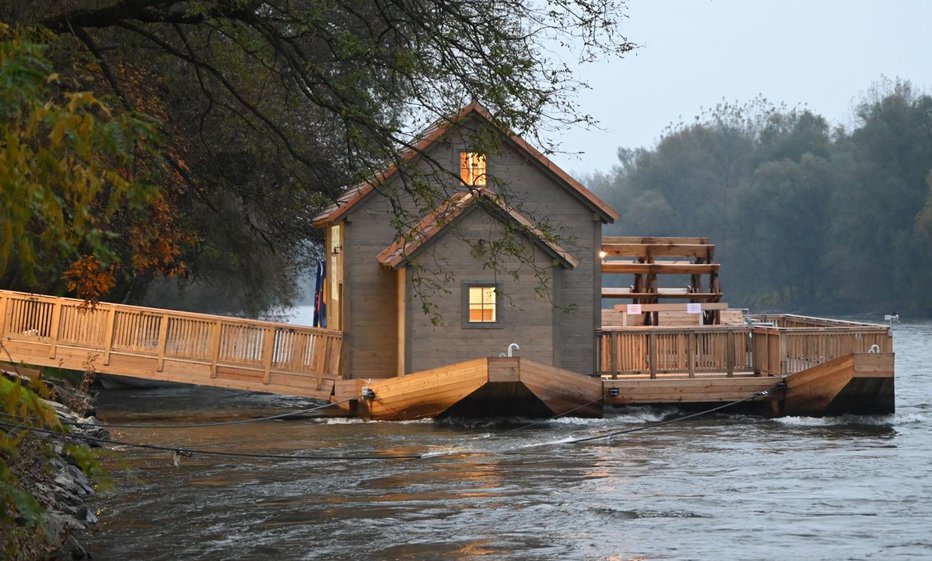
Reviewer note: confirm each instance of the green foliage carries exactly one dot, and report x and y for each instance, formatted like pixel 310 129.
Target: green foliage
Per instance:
pixel 802 217
pixel 67 168
pixel 23 462
pixel 272 108
pixel 20 513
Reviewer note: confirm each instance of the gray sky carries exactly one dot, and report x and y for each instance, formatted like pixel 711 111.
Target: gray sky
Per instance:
pixel 823 54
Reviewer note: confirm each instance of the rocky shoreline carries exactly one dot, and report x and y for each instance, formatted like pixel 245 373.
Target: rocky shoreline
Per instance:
pixel 58 482
pixel 65 499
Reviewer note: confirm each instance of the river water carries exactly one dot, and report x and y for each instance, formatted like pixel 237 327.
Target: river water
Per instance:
pixel 716 488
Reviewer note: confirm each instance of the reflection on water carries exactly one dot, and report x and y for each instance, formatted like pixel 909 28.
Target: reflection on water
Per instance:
pixel 724 488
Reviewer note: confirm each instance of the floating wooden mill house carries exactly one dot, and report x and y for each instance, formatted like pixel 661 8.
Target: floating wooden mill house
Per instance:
pixel 490 302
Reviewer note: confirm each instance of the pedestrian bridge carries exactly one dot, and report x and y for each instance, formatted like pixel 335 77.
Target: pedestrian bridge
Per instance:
pixel 168 345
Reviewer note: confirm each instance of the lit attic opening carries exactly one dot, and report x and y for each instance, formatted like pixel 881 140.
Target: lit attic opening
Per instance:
pixel 472 168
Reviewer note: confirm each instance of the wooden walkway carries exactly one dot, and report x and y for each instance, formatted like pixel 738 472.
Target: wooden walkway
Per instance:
pixel 167 345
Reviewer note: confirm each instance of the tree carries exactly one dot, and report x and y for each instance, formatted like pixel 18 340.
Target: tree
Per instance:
pixel 784 222
pixel 73 178
pixel 802 217
pixel 881 259
pixel 271 107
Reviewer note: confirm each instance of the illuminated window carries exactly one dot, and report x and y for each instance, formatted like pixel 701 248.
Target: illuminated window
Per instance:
pixel 482 304
pixel 472 168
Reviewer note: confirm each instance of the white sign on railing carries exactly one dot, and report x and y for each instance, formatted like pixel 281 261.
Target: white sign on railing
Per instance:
pixel 634 309
pixel 694 308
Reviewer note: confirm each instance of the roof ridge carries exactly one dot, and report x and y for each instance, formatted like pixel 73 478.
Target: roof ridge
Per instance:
pixel 434 132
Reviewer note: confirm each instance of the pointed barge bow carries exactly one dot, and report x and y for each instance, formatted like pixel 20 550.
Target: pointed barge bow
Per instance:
pixel 485 387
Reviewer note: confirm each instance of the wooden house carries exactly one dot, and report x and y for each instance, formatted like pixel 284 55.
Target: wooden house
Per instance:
pixel 509 254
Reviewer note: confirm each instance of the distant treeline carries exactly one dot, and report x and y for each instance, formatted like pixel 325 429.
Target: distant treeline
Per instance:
pixel 804 217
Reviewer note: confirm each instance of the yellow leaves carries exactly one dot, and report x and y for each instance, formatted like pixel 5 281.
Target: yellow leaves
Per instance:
pixel 67 166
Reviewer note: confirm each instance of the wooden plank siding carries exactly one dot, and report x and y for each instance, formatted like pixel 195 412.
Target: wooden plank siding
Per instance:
pixel 371 313
pixel 632 391
pixel 169 345
pixel 538 196
pixel 525 317
pixel 370 305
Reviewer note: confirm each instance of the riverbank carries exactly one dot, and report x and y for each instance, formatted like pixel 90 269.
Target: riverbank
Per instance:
pixel 52 515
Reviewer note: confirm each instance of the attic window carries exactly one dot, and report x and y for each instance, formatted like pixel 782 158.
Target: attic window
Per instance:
pixel 482 304
pixel 472 168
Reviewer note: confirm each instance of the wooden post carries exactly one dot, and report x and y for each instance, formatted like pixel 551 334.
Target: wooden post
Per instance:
pixel 614 341
pixel 163 341
pixel 268 347
pixel 402 301
pixel 730 353
pixel 215 335
pixel 337 354
pixel 652 355
pixel 108 338
pixel 691 343
pixel 3 306
pixel 781 353
pixel 324 344
pixel 54 327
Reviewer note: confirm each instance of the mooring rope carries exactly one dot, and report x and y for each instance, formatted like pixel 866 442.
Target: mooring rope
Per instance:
pixel 189 452
pixel 214 423
pixel 762 393
pixel 193 425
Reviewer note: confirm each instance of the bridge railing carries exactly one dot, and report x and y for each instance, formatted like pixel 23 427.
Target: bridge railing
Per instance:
pixel 774 345
pixel 170 335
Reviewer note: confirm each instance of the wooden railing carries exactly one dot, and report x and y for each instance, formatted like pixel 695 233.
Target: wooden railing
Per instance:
pixel 266 352
pixel 790 345
pixel 796 343
pixel 690 350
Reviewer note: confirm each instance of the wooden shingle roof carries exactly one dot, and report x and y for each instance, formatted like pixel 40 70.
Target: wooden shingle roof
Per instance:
pixel 403 248
pixel 435 132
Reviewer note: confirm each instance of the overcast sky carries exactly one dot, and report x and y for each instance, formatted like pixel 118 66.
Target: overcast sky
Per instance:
pixel 823 54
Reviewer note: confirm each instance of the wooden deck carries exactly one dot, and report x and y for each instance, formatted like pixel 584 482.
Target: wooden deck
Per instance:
pixel 166 345
pixel 826 366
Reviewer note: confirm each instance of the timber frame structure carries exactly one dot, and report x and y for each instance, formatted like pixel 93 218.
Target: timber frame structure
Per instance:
pixel 651 259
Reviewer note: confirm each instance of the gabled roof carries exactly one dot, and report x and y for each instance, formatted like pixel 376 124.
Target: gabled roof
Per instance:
pixel 432 134
pixel 403 248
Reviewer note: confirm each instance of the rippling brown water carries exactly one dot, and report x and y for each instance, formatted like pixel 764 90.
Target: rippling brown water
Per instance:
pixel 722 488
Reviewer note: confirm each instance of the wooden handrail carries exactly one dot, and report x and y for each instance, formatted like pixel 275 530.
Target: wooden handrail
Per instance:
pixel 668 350
pixel 665 268
pixel 649 250
pixel 773 351
pixel 165 340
